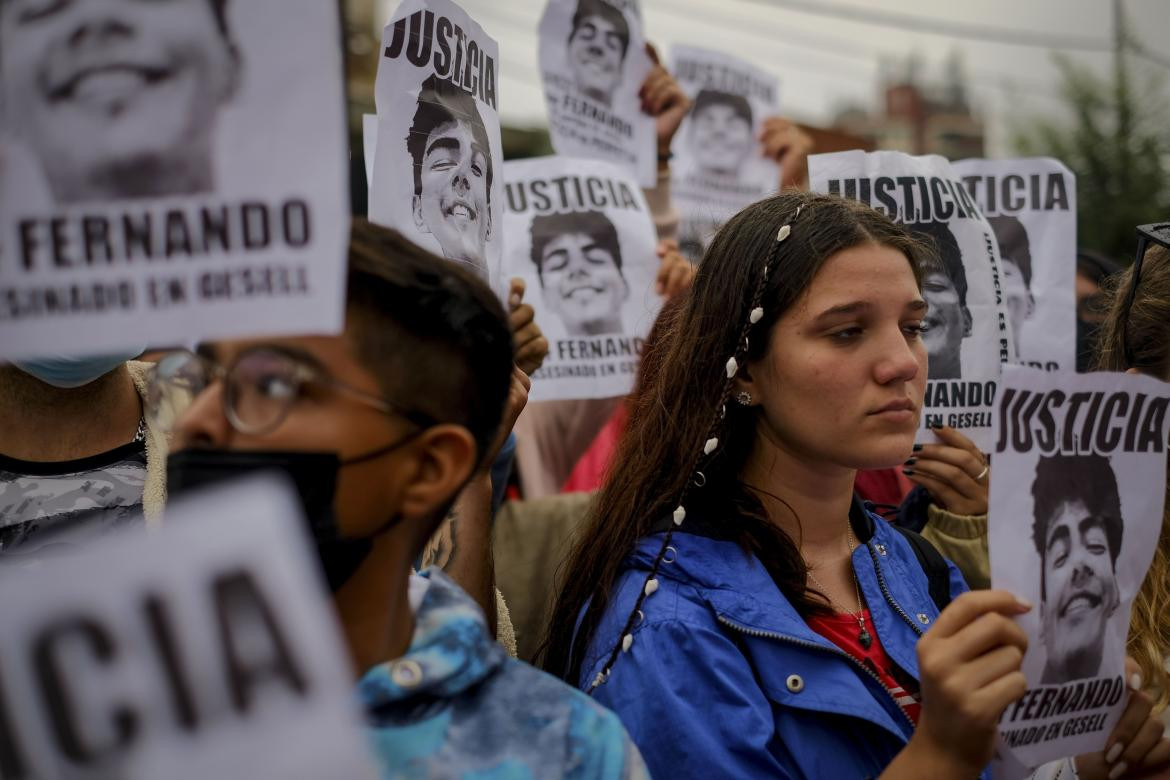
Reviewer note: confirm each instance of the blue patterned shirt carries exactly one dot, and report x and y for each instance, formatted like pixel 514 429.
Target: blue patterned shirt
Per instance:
pixel 457 706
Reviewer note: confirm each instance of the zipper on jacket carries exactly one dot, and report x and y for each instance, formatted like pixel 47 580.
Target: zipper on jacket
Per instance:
pixel 886 591
pixel 814 646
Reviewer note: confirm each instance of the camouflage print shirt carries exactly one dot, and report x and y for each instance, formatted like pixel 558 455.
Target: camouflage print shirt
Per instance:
pixel 457 706
pixel 39 501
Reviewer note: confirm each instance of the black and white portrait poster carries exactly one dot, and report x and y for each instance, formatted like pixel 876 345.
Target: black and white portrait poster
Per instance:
pixel 1031 205
pixel 719 166
pixel 592 63
pixel 154 181
pixel 437 157
pixel 581 237
pixel 1077 491
pixel 966 329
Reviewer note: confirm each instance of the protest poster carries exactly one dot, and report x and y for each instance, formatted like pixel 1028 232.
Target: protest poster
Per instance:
pixel 1077 490
pixel 593 62
pixel 437 100
pixel 1031 205
pixel 207 648
pixel 719 166
pixel 154 185
pixel 581 237
pixel 967 334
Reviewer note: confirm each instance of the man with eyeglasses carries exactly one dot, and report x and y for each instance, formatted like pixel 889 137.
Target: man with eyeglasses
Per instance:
pixel 379 429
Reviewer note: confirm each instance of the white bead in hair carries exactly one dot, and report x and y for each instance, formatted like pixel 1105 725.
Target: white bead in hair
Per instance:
pixel 710 446
pixel 627 641
pixel 732 367
pixel 784 232
pixel 599 679
pixel 680 514
pixel 651 586
pixel 756 315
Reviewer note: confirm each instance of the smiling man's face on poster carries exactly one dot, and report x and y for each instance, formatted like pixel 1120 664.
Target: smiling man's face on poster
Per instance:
pixel 453 173
pixel 579 261
pixel 116 98
pixel 453 202
pixel 597 48
pixel 1078 531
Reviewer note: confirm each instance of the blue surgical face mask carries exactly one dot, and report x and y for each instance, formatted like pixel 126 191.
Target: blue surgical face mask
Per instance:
pixel 68 372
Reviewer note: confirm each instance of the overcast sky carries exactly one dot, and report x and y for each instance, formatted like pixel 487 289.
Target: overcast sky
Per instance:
pixel 825 62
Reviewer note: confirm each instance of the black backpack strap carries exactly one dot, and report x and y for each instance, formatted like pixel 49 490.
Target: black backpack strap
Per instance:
pixel 938 574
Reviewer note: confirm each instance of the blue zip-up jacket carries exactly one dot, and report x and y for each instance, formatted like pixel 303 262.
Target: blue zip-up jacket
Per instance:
pixel 724 678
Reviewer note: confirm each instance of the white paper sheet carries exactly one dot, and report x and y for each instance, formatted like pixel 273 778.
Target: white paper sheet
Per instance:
pixel 1031 205
pixel 581 236
pixel 436 175
pixel 592 64
pixel 1077 488
pixel 207 648
pixel 719 166
pixel 155 186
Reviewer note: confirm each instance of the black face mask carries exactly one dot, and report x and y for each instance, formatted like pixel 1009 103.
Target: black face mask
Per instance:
pixel 315 476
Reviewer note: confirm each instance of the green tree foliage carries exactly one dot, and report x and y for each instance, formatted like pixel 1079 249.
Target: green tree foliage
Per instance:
pixel 1117 141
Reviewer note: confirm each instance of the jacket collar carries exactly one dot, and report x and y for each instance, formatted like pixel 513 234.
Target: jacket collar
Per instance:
pixel 741 591
pixel 451 649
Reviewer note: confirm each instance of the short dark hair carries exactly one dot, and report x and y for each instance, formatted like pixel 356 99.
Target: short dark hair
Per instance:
pixel 546 227
pixel 440 102
pixel 946 256
pixel 612 14
pixel 433 334
pixel 1089 479
pixel 1013 242
pixel 713 97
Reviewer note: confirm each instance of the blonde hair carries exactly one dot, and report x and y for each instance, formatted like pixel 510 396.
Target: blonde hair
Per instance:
pixel 1145 328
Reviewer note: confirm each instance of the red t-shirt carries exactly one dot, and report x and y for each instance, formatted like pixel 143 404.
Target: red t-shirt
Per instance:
pixel 843 631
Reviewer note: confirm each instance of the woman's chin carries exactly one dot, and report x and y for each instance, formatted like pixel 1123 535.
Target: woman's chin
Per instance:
pixel 885 453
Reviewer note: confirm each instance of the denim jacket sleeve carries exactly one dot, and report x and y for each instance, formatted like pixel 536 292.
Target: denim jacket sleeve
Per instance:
pixel 690 701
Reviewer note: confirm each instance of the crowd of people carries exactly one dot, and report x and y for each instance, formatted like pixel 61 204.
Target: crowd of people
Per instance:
pixel 694 580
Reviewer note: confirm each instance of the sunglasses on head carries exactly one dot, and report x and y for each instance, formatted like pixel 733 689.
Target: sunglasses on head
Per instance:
pixel 1157 233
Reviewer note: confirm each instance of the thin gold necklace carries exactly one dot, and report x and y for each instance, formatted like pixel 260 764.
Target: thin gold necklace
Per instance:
pixel 863 635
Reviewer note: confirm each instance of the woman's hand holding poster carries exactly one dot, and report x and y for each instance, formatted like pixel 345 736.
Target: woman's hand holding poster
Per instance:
pixel 719 166
pixel 593 61
pixel 1076 510
pixel 966 329
pixel 581 236
pixel 1031 205
pixel 436 95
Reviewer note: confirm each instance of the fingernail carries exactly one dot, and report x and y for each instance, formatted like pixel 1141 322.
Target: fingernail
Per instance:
pixel 1118 771
pixel 907 472
pixel 911 461
pixel 1135 681
pixel 918 448
pixel 1024 604
pixel 1114 752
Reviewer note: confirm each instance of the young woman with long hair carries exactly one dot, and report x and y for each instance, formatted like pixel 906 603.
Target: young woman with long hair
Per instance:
pixel 729 597
pixel 1135 336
